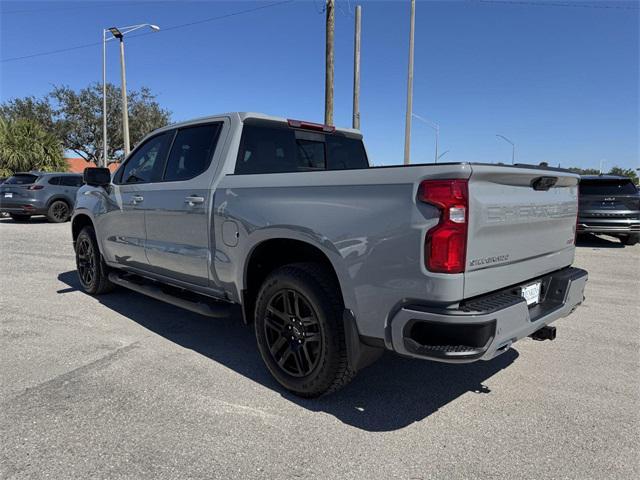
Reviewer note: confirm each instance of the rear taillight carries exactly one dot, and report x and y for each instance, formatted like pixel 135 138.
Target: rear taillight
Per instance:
pixel 35 187
pixel 446 243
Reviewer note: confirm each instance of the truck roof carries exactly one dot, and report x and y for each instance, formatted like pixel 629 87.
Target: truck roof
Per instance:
pixel 242 116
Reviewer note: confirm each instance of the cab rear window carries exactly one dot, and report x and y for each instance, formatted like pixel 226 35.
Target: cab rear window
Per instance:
pixel 275 148
pixel 607 187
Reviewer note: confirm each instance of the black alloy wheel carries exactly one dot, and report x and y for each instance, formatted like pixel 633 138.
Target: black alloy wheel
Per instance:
pixel 86 262
pixel 93 273
pixel 293 333
pixel 299 329
pixel 58 212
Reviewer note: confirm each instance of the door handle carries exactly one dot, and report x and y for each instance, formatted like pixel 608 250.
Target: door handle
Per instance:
pixel 137 199
pixel 193 200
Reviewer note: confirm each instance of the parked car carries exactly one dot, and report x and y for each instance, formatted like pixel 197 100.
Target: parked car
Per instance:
pixel 3 214
pixel 332 261
pixel 24 195
pixel 609 205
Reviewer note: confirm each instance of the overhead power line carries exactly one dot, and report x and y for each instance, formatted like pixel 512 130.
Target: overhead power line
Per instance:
pixel 164 29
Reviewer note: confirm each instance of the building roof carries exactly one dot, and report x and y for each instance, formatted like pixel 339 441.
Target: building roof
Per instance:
pixel 78 164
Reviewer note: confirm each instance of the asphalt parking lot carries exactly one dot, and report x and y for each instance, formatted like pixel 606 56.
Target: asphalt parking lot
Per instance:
pixel 124 386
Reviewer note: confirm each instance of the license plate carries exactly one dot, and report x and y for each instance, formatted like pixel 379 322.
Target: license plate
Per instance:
pixel 531 293
pixel 8 195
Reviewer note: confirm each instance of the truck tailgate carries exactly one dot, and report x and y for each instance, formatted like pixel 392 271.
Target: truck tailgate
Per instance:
pixel 517 232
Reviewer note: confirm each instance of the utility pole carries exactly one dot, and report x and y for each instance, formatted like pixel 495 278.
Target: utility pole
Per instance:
pixel 328 84
pixel 407 132
pixel 125 108
pixel 356 70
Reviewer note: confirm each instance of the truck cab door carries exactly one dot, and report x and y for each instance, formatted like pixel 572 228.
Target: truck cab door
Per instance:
pixel 178 208
pixel 124 219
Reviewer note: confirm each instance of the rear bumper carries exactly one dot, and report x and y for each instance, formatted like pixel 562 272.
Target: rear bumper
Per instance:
pixel 612 225
pixel 23 207
pixel 484 327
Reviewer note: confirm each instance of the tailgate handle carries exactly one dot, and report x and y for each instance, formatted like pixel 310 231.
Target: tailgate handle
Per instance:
pixel 543 183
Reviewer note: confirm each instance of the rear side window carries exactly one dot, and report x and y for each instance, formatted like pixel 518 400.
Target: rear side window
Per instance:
pixel 71 181
pixel 192 151
pixel 607 187
pixel 279 149
pixel 21 179
pixel 54 181
pixel 146 163
pixel 344 152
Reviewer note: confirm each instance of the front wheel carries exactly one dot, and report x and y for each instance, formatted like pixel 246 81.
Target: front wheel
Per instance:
pixel 92 271
pixel 299 330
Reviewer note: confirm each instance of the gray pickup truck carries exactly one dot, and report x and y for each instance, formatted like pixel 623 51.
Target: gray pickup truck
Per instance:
pixel 332 260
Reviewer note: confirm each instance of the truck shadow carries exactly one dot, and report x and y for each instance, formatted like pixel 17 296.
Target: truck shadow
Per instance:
pixel 389 395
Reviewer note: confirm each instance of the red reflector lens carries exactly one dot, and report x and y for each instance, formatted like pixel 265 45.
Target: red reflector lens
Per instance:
pixel 35 187
pixel 446 243
pixel 311 126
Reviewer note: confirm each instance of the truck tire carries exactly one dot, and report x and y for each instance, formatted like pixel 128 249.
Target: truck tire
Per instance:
pixel 58 212
pixel 16 217
pixel 92 271
pixel 299 330
pixel 630 240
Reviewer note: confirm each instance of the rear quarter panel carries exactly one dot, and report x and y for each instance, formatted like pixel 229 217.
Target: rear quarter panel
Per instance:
pixel 366 222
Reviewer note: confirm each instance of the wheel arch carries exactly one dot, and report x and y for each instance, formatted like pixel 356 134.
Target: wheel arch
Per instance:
pixel 78 223
pixel 55 198
pixel 269 254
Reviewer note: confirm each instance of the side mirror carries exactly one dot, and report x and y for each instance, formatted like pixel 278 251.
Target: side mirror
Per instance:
pixel 97 177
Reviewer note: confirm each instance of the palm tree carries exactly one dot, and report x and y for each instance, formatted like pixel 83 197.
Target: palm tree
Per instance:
pixel 25 145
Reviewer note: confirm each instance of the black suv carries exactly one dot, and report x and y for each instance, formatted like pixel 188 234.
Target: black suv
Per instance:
pixel 609 205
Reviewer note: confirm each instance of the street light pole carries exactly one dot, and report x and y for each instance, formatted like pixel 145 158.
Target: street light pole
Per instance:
pixel 407 128
pixel 436 127
pixel 103 161
pixel 118 33
pixel 513 147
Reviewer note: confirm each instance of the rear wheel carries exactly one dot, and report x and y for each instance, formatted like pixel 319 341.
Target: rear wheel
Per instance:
pixel 630 239
pixel 58 212
pixel 299 329
pixel 20 218
pixel 92 271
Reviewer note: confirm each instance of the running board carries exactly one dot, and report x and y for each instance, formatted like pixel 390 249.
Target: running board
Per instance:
pixel 208 309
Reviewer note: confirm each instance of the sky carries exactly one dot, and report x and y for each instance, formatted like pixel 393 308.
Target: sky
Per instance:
pixel 559 78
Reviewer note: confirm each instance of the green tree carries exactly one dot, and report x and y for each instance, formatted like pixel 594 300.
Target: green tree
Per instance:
pixel 75 117
pixel 625 172
pixel 79 114
pixel 26 145
pixel 38 110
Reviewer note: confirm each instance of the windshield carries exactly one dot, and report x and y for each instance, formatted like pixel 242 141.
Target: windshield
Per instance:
pixel 21 179
pixel 607 187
